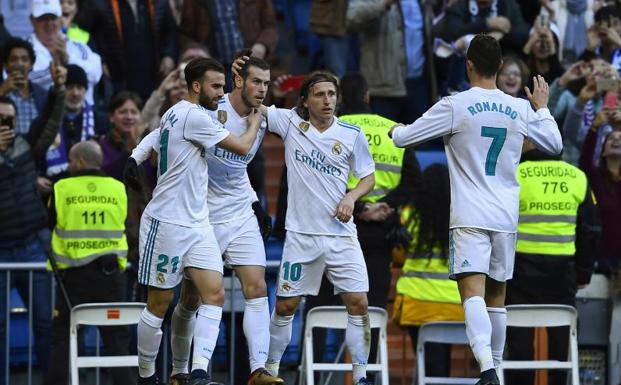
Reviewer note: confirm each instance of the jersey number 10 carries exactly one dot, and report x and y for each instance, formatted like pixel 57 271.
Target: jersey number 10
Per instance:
pixel 498 136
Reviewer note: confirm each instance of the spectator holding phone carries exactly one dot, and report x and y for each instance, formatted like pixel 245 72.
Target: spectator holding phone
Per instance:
pixel 542 50
pixel 30 99
pixel 23 235
pixel 602 78
pixel 604 37
pixel 605 179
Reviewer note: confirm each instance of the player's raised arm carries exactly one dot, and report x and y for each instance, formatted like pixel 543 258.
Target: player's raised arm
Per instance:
pixel 242 144
pixel 542 128
pixel 436 122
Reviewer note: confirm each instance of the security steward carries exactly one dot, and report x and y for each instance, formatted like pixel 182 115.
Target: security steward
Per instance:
pixel 558 232
pixel 87 214
pixel 397 175
pixel 424 292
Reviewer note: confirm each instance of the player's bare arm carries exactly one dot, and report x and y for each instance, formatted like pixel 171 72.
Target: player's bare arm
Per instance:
pixel 241 145
pixel 345 208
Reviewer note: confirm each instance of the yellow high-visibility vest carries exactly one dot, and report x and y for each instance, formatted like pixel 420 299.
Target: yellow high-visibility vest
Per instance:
pixel 387 157
pixel 90 220
pixel 550 195
pixel 76 33
pixel 426 278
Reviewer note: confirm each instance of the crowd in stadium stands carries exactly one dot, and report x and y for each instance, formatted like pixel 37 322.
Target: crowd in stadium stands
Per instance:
pixel 107 70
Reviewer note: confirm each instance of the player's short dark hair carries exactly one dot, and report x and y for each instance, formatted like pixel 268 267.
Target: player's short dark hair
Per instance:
pixel 605 13
pixel 121 97
pixel 251 62
pixel 485 53
pixel 196 69
pixel 15 42
pixel 353 89
pixel 312 79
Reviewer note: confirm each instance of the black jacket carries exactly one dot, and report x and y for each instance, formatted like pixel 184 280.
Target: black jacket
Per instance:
pixel 22 212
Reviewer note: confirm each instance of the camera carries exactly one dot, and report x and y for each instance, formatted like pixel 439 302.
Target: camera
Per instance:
pixel 8 121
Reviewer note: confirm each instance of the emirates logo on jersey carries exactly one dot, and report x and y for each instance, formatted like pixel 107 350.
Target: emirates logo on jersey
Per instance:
pixel 337 148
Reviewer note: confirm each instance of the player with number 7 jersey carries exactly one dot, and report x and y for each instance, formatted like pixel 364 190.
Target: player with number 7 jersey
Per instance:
pixel 483 130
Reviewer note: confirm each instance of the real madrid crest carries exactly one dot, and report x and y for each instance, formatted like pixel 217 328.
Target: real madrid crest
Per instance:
pixel 337 148
pixel 222 116
pixel 160 278
pixel 304 126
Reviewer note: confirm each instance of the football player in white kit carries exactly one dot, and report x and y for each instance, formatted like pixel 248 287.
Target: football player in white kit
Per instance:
pixel 483 131
pixel 232 205
pixel 176 238
pixel 320 152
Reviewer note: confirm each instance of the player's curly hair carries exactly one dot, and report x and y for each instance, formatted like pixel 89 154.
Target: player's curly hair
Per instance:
pixel 433 209
pixel 312 79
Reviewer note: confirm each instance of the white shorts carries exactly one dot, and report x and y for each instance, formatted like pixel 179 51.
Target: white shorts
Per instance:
pixel 167 249
pixel 306 257
pixel 241 242
pixel 473 250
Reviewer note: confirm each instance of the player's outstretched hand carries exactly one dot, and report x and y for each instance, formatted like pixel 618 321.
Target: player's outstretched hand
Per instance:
pixel 541 92
pixel 130 174
pixel 345 209
pixel 265 221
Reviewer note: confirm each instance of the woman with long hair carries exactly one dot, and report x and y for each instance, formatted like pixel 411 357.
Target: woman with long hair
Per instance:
pixel 605 181
pixel 424 291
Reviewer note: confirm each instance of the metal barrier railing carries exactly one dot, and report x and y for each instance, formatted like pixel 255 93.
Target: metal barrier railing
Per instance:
pixel 9 268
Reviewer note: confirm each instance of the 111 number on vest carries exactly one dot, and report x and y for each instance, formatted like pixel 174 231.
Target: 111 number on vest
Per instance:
pixel 94 217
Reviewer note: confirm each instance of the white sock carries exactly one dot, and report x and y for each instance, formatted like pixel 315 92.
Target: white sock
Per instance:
pixel 149 338
pixel 358 340
pixel 281 328
pixel 498 319
pixel 479 331
pixel 182 327
pixel 206 332
pixel 257 331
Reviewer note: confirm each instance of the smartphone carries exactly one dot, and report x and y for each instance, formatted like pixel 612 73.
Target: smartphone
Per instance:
pixel 543 20
pixel 293 83
pixel 7 121
pixel 610 99
pixel 607 85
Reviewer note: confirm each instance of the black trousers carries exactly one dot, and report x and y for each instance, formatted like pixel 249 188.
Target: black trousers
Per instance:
pixel 540 279
pixel 99 281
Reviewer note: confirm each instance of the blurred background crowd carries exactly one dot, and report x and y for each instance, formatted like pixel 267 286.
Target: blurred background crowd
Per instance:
pixel 107 70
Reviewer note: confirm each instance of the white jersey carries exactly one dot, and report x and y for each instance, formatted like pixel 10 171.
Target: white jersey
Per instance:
pixel 318 166
pixel 185 133
pixel 230 194
pixel 483 132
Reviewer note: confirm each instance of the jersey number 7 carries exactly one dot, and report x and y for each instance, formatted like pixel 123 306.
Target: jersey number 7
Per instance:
pixel 498 136
pixel 164 151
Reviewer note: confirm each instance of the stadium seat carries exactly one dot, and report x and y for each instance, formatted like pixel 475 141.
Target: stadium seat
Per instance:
pixel 100 314
pixel 427 158
pixel 535 316
pixel 445 332
pixel 335 317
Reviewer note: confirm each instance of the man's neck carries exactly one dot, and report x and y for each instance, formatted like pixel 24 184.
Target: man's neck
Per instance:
pixel 481 82
pixel 235 97
pixel 25 91
pixel 321 124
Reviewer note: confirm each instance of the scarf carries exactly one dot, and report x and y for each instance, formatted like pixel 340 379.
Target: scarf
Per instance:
pixel 575 41
pixel 57 156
